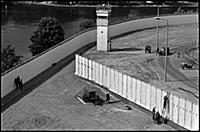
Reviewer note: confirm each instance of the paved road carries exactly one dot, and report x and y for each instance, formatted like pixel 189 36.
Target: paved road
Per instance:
pixel 175 73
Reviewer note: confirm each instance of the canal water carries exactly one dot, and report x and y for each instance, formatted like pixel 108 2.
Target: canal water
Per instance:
pixel 18 21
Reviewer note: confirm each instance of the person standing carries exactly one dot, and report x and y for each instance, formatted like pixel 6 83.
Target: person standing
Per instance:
pixel 108 96
pixel 165 110
pixel 16 83
pixel 21 84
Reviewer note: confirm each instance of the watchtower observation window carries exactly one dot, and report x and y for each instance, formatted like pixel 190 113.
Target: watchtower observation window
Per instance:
pixel 102 17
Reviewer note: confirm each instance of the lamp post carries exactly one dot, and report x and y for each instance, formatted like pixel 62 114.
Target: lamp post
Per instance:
pixel 197 32
pixel 166 46
pixel 157 33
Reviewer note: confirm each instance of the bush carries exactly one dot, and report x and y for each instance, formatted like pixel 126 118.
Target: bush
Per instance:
pixel 87 24
pixel 48 34
pixel 9 58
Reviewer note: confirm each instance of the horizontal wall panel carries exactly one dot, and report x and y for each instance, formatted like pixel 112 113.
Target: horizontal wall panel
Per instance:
pixel 129 88
pixel 158 100
pixel 138 91
pixel 112 80
pixel 76 64
pixel 97 73
pixel 181 111
pixel 195 117
pixel 108 85
pixel 120 83
pixel 115 86
pixel 153 97
pixel 188 115
pixel 90 69
pixel 104 76
pixel 175 109
pixel 100 74
pixel 124 85
pixel 143 96
pixel 81 66
pixel 133 89
pixel 93 71
pixel 86 69
pixel 148 97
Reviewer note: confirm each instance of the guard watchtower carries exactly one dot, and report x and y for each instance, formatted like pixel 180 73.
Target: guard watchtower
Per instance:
pixel 103 14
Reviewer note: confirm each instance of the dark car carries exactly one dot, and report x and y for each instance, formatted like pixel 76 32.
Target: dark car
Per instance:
pixel 147 49
pixel 188 65
pixel 162 51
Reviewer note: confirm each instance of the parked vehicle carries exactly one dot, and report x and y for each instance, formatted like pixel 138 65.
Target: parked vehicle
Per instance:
pixel 162 51
pixel 188 65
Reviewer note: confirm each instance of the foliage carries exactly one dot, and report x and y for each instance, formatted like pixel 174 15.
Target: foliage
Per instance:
pixel 87 24
pixel 9 58
pixel 182 11
pixel 48 34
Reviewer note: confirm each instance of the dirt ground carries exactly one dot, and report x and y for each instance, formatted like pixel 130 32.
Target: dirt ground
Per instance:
pixel 128 56
pixel 53 106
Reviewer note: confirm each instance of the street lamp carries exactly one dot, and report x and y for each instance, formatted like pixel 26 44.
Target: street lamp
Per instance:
pixel 158 18
pixel 157 33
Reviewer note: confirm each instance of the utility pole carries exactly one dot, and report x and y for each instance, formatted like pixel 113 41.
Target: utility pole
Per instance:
pixel 157 33
pixel 166 52
pixel 157 18
pixel 197 33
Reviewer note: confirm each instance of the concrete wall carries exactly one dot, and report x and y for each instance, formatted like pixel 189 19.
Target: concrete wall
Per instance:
pixel 182 112
pixel 36 65
pixel 32 68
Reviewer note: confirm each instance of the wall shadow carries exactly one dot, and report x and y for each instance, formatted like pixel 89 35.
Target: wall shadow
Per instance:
pixel 125 49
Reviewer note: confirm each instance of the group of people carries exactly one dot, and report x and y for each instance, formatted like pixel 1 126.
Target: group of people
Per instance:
pixel 163 117
pixel 18 83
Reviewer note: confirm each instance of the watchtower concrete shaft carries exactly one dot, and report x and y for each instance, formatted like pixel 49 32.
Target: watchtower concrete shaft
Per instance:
pixel 103 14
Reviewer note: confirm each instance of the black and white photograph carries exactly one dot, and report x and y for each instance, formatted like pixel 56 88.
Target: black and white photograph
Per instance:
pixel 91 65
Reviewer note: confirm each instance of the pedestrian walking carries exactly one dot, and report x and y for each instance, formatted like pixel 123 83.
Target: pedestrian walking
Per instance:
pixel 21 84
pixel 16 83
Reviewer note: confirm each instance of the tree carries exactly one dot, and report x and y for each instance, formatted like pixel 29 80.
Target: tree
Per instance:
pixel 48 34
pixel 87 24
pixel 9 58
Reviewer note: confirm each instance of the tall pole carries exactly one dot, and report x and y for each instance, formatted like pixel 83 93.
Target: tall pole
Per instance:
pixel 157 40
pixel 197 32
pixel 166 52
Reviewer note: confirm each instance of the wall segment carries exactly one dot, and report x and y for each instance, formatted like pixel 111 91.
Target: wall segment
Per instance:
pixel 146 95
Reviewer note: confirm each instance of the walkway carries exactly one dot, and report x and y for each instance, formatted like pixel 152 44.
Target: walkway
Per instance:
pixel 29 86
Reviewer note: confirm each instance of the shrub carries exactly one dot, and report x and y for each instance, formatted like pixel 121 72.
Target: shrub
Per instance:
pixel 48 34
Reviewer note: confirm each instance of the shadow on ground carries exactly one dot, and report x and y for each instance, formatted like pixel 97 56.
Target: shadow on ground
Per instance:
pixel 126 49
